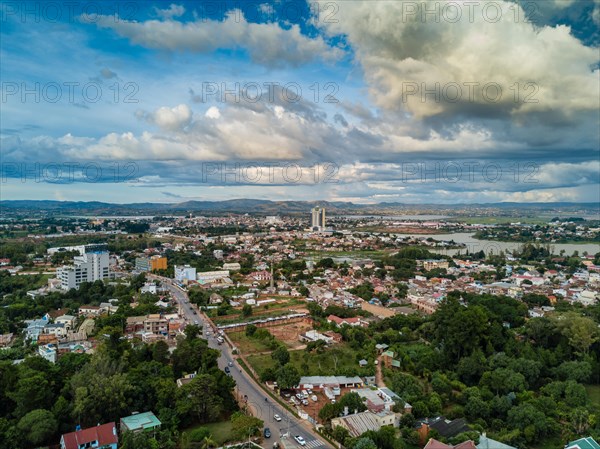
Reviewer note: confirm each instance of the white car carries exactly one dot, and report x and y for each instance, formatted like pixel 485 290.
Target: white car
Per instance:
pixel 277 418
pixel 300 440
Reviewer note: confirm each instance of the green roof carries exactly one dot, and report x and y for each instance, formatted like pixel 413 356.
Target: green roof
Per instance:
pixel 140 421
pixel 388 354
pixel 584 443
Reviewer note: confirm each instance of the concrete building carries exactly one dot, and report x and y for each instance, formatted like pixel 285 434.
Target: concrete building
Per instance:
pixel 207 277
pixel 317 222
pixel 48 352
pixel 153 263
pixel 185 273
pixel 156 324
pixel 91 266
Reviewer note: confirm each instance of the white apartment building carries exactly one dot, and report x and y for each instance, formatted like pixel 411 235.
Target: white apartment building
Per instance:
pixel 185 273
pixel 211 276
pixel 91 266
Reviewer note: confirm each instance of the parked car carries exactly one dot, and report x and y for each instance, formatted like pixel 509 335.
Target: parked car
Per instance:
pixel 293 400
pixel 299 396
pixel 300 440
pixel 230 364
pixel 227 370
pixel 314 398
pixel 267 432
pixel 304 402
pixel 277 418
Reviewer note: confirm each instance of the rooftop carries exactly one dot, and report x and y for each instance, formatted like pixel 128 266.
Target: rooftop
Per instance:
pixel 140 421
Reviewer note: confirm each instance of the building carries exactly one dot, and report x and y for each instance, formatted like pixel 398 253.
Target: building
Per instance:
pixel 101 436
pixel 156 324
pixel 208 277
pixel 333 382
pixel 140 422
pixel 91 266
pixel 89 310
pixel 233 266
pixel 67 320
pixel 583 443
pixel 48 352
pixel 435 444
pixel 488 443
pixel 35 328
pixel 313 335
pixel 185 273
pixel 317 222
pixel 445 427
pixel 431 264
pixel 359 423
pixel 153 263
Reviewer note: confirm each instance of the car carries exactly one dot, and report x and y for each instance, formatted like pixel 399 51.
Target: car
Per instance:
pixel 299 396
pixel 195 313
pixel 230 363
pixel 267 432
pixel 227 370
pixel 277 418
pixel 300 440
pixel 196 322
pixel 304 402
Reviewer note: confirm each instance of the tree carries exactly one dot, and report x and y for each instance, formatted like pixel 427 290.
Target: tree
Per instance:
pixel 247 310
pixel 160 352
pixel 340 434
pixel 364 443
pixel 32 392
pixel 245 426
pixel 281 355
pixel 287 376
pixel 201 398
pixel 38 426
pixel 580 331
pixel 250 330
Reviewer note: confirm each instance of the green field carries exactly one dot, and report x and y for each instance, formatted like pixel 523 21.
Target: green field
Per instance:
pixel 221 431
pixel 336 360
pixel 593 392
pixel 247 345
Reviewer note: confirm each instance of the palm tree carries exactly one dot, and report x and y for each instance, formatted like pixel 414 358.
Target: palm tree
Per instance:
pixel 208 442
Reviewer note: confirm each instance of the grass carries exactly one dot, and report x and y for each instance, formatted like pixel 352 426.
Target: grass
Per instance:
pixel 593 392
pixel 318 364
pixel 221 431
pixel 247 345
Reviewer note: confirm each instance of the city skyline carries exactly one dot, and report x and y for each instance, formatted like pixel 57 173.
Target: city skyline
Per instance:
pixel 334 101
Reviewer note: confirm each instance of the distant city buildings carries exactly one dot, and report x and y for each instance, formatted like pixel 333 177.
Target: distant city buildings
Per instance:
pixel 91 266
pixel 317 219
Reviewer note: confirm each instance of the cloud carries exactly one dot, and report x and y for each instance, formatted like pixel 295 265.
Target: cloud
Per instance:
pixel 424 65
pixel 266 43
pixel 172 11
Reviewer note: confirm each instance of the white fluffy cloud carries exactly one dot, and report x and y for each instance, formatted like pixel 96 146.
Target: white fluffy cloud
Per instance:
pixel 266 43
pixel 402 49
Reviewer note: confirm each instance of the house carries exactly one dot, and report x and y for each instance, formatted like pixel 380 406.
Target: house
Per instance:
pixel 355 321
pixel 35 328
pixel 388 360
pixel 102 436
pixel 435 444
pixel 6 340
pixel 139 422
pixel 48 352
pixel 359 423
pixel 488 443
pixel 445 427
pixel 583 443
pixel 313 335
pixel 67 320
pixel 88 310
pixel 185 380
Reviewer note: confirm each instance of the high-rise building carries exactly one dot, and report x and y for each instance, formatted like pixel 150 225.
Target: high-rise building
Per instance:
pixel 153 263
pixel 317 219
pixel 92 265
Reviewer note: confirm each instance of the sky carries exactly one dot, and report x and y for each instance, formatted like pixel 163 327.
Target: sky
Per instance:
pixel 375 101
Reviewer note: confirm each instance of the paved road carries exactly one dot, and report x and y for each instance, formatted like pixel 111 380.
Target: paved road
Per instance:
pixel 247 386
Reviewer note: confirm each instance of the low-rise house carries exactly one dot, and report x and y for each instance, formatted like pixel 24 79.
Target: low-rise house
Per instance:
pixel 140 422
pixel 435 444
pixel 185 380
pixel 35 328
pixel 49 352
pixel 67 320
pixel 583 443
pixel 359 423
pixel 56 329
pixel 89 311
pixel 6 340
pixel 445 427
pixel 101 436
pixel 313 335
pixel 488 443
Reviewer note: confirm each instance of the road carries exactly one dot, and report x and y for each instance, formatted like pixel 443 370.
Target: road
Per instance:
pixel 247 387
